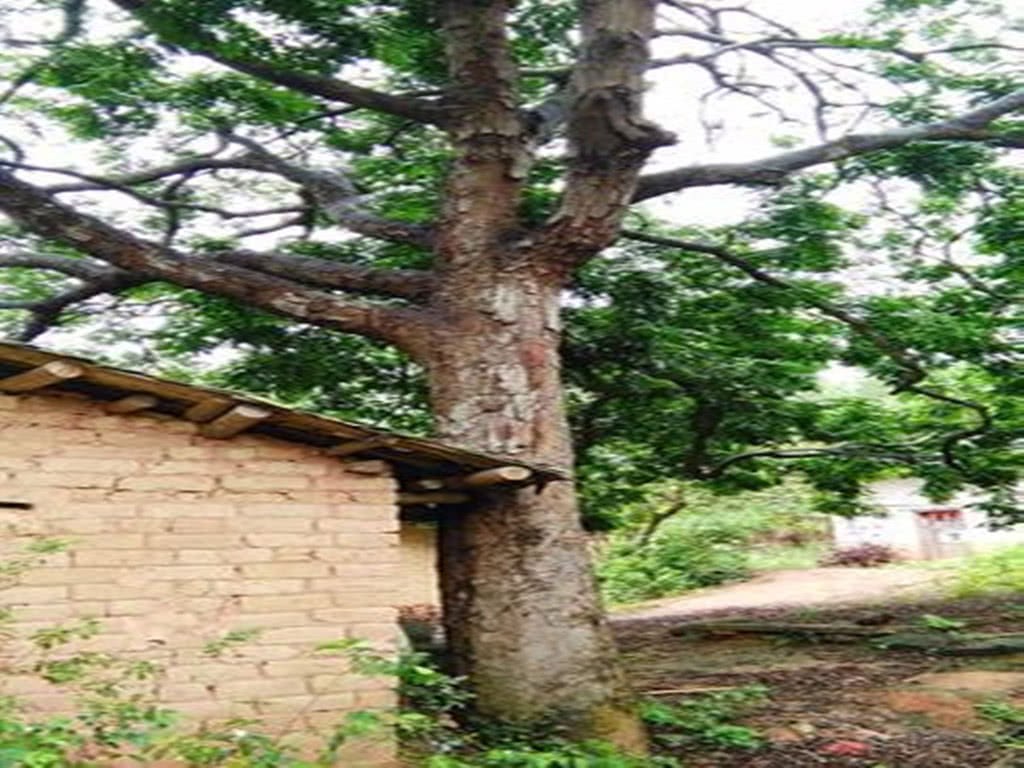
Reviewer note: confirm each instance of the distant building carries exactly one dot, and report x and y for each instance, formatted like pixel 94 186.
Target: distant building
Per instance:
pixel 921 529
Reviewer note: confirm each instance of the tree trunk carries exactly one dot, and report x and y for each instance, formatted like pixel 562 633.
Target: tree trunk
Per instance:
pixel 521 609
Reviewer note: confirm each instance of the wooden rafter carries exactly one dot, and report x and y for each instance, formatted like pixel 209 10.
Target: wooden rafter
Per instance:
pixel 352 447
pixel 43 376
pixel 483 478
pixel 235 421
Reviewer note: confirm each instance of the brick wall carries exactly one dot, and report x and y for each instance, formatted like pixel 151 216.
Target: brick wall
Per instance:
pixel 177 539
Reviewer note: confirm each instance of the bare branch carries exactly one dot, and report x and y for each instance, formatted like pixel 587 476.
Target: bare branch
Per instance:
pixel 100 184
pixel 969 126
pixel 40 213
pixel 337 196
pixel 332 191
pixel 184 166
pixel 892 453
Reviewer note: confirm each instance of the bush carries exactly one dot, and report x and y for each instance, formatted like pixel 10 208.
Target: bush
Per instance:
pixel 860 556
pixel 678 559
pixel 681 536
pixel 991 573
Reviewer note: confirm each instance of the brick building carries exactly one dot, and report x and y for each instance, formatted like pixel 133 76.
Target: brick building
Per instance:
pixel 191 512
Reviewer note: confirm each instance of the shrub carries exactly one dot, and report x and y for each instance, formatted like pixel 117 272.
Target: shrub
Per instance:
pixel 677 559
pixel 680 536
pixel 860 556
pixel 993 572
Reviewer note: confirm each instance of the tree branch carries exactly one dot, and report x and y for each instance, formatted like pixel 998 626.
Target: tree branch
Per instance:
pixel 337 196
pixel 321 273
pixel 885 344
pixel 184 166
pixel 609 138
pixel 79 268
pixel 969 126
pixel 332 191
pixel 329 88
pixel 44 313
pixel 914 372
pixel 874 451
pixel 40 213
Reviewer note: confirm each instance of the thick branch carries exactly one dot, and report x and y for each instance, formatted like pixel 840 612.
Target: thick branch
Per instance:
pixel 314 85
pixel 970 126
pixel 490 137
pixel 609 138
pixel 40 213
pixel 322 273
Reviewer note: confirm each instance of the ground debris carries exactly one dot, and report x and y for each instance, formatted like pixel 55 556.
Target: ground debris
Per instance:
pixel 887 637
pixel 828 693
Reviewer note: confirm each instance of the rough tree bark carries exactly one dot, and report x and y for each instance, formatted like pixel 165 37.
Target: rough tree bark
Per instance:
pixel 520 604
pixel 522 613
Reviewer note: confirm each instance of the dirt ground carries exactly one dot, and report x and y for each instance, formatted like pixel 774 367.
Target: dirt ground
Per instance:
pixel 850 705
pixel 814 586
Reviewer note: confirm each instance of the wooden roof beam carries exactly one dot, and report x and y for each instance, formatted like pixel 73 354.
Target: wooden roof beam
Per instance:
pixel 51 373
pixel 131 404
pixel 352 447
pixel 409 499
pixel 481 479
pixel 237 420
pixel 207 410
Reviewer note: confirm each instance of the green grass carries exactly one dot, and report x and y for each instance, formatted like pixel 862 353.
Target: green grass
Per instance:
pixel 785 558
pixel 990 573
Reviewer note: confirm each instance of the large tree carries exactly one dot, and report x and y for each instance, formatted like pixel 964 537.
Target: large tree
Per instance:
pixel 482 152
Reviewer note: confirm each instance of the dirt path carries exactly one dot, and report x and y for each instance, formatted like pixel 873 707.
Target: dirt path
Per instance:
pixel 813 587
